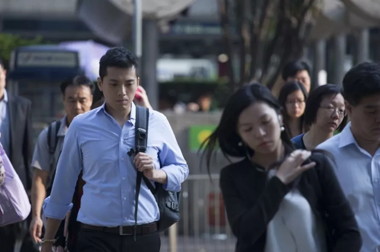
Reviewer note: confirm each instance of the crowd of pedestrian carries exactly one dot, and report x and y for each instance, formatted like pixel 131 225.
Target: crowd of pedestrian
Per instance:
pixel 307 179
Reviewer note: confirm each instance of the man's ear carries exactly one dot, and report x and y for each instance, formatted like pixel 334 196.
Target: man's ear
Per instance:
pixel 349 107
pixel 100 83
pixel 138 81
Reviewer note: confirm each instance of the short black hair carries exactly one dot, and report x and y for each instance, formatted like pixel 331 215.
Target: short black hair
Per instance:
pixel 2 63
pixel 293 67
pixel 78 80
pixel 313 103
pixel 117 57
pixel 361 81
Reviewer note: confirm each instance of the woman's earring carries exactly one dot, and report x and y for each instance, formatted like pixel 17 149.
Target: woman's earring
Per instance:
pixel 282 128
pixel 240 144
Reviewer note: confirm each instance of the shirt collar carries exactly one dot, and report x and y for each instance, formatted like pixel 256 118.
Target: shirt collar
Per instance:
pixel 346 137
pixel 132 117
pixel 5 96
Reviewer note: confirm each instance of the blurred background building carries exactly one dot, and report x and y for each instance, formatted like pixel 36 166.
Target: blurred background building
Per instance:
pixel 193 52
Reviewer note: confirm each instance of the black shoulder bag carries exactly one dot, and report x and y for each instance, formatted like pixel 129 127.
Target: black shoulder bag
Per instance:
pixel 167 201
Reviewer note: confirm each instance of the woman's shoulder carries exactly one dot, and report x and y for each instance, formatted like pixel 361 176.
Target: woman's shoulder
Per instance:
pixel 324 161
pixel 321 156
pixel 234 168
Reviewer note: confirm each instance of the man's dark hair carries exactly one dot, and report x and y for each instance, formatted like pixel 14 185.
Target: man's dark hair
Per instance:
pixel 117 57
pixel 292 68
pixel 76 81
pixel 361 81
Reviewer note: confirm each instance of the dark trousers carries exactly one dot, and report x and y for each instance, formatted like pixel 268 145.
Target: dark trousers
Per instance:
pixel 9 234
pixel 99 241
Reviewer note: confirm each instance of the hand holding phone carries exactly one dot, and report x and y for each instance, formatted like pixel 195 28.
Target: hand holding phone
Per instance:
pixel 138 94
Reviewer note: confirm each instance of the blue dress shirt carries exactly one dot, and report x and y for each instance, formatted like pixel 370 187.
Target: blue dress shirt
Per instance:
pixel 97 145
pixel 359 175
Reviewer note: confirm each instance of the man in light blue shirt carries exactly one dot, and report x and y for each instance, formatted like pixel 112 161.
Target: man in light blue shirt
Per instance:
pixel 357 150
pixel 97 144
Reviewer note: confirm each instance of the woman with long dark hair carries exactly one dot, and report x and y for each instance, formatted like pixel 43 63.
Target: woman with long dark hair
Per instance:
pixel 277 198
pixel 293 98
pixel 324 114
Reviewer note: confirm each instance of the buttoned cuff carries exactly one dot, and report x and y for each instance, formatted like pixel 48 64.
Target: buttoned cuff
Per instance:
pixel 55 211
pixel 175 177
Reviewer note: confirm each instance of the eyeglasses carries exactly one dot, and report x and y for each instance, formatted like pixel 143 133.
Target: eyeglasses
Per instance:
pixel 295 102
pixel 333 110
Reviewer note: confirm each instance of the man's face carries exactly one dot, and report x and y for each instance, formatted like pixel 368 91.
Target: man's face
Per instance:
pixel 365 118
pixel 303 77
pixel 119 87
pixel 77 100
pixel 3 74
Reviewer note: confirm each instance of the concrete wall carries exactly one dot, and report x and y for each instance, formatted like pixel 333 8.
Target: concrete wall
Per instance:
pixel 180 125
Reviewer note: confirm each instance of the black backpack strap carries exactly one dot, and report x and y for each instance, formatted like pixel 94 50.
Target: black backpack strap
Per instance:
pixel 141 140
pixel 52 139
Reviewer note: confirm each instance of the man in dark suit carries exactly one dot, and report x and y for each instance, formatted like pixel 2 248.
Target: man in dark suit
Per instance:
pixel 16 138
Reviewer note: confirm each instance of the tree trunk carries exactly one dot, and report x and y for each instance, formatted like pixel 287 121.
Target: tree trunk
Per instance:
pixel 227 38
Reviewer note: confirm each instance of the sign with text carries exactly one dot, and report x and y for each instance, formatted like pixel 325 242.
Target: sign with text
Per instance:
pixel 47 59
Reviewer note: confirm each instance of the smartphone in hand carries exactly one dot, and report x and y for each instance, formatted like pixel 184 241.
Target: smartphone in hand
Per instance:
pixel 138 94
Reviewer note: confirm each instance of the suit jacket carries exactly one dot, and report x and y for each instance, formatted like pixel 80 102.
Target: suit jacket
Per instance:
pixel 252 200
pixel 21 138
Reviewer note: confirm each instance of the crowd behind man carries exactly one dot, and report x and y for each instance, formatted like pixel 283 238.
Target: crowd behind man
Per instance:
pixel 310 117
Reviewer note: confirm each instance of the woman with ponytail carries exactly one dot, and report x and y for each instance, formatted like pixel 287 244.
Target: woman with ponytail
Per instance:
pixel 277 198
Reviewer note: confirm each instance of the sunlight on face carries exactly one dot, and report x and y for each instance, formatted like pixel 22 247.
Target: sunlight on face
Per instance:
pixel 119 87
pixel 259 128
pixel 77 100
pixel 365 117
pixel 295 104
pixel 331 113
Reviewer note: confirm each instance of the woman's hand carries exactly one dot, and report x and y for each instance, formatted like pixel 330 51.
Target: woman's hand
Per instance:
pixel 292 167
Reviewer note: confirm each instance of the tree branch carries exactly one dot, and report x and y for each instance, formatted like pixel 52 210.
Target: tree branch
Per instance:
pixel 256 36
pixel 225 23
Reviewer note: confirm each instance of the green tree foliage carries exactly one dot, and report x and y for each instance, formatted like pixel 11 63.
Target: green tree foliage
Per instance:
pixel 8 42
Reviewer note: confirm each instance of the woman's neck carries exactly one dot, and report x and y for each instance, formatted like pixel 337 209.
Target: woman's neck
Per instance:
pixel 294 126
pixel 315 136
pixel 265 160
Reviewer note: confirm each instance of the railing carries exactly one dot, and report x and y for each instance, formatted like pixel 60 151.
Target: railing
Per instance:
pixel 203 226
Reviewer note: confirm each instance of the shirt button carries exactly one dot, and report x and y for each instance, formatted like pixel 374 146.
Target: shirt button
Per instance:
pixel 123 178
pixel 122 159
pixel 126 199
pixel 376 180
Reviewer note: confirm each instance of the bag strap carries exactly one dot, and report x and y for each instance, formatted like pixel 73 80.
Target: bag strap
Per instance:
pixel 52 140
pixel 141 140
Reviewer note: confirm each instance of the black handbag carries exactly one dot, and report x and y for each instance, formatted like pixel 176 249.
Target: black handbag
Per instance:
pixel 167 201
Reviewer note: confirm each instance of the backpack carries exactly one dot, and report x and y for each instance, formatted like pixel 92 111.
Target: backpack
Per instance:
pixel 52 141
pixel 167 201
